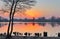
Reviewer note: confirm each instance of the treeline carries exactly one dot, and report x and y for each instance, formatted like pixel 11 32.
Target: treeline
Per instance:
pixel 41 19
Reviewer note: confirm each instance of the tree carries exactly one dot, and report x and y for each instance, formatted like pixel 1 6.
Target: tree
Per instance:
pixel 15 6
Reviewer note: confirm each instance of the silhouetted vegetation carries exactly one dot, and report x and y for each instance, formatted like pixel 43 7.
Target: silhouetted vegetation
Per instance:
pixel 41 19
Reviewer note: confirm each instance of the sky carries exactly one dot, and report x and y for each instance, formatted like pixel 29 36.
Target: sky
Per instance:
pixel 49 7
pixel 46 8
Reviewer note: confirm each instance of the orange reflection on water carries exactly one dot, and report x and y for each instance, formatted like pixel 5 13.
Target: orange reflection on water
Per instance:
pixel 28 28
pixel 24 28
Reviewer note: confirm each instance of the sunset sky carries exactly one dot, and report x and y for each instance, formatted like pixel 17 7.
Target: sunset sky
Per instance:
pixel 42 8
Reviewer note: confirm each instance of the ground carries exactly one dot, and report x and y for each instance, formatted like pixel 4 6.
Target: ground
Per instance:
pixel 29 37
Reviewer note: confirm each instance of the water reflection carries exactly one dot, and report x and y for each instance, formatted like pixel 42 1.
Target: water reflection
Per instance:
pixel 53 24
pixel 51 27
pixel 2 24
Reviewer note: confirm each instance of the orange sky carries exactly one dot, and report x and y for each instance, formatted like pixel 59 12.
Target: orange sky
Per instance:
pixel 44 8
pixel 33 13
pixel 29 14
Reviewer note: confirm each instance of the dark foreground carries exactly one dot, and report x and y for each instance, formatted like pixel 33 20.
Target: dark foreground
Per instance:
pixel 31 37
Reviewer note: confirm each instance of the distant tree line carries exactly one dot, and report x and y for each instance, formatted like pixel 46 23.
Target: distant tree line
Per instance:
pixel 41 19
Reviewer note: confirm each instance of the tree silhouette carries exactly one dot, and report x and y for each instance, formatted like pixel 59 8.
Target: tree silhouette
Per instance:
pixel 15 6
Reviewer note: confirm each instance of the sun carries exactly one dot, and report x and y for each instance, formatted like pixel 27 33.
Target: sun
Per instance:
pixel 33 13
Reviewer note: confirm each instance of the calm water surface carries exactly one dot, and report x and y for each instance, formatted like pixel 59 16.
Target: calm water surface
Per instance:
pixel 33 27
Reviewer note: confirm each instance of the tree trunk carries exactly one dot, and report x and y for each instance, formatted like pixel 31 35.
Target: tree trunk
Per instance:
pixel 9 21
pixel 12 12
pixel 13 18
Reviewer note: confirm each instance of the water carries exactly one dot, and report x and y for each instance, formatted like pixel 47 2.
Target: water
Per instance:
pixel 33 27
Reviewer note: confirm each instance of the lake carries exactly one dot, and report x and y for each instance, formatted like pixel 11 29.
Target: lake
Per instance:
pixel 52 28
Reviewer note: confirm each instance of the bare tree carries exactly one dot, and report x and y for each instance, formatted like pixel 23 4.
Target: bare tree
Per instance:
pixel 15 6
